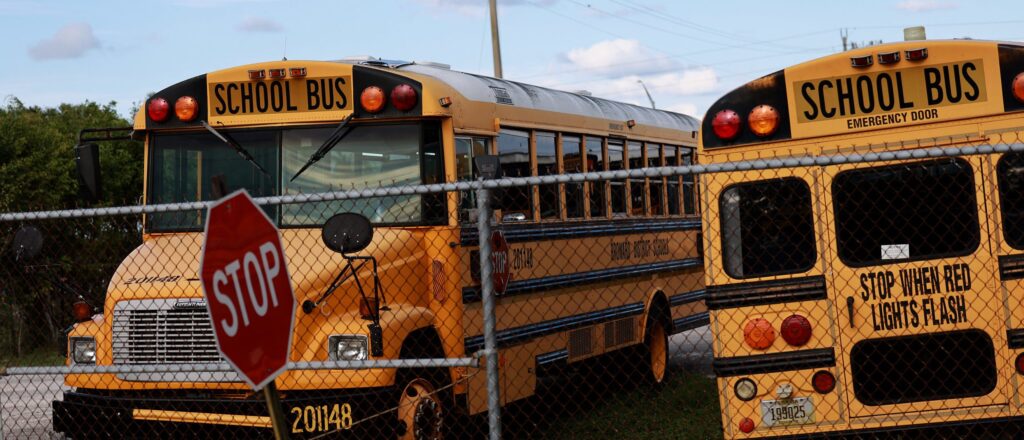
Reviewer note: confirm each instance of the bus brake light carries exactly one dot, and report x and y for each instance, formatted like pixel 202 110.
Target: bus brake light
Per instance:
pixel 1018 87
pixel 403 97
pixel 763 120
pixel 185 108
pixel 157 109
pixel 1019 363
pixel 759 334
pixel 796 330
pixel 372 99
pixel 823 382
pixel 746 425
pixel 726 124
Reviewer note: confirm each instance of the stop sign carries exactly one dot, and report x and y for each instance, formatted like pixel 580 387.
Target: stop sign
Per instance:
pixel 499 262
pixel 247 289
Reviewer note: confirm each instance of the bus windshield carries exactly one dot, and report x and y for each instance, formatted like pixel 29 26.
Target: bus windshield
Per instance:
pixel 183 164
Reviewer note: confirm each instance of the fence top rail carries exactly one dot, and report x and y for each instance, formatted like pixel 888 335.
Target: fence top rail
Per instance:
pixel 748 165
pixel 223 367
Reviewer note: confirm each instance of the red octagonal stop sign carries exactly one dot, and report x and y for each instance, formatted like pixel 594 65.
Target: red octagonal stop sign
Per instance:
pixel 247 289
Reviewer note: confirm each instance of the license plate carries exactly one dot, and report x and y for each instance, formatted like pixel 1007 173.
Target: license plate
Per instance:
pixel 795 411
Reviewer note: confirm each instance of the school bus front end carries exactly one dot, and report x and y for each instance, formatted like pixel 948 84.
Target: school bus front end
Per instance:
pixel 263 127
pixel 869 292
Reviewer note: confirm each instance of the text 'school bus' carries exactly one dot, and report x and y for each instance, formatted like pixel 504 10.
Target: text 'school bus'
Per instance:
pixel 595 267
pixel 870 298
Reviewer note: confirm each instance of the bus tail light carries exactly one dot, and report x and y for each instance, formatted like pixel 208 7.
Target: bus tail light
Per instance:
pixel 81 311
pixel 726 124
pixel 372 99
pixel 763 120
pixel 1019 363
pixel 746 425
pixel 185 108
pixel 157 109
pixel 796 330
pixel 759 334
pixel 403 97
pixel 1018 87
pixel 823 382
pixel 745 389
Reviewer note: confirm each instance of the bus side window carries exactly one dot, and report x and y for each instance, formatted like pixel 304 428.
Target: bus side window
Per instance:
pixel 572 162
pixel 767 228
pixel 1010 174
pixel 595 163
pixel 466 148
pixel 689 185
pixel 514 153
pixel 618 187
pixel 637 185
pixel 672 160
pixel 547 164
pixel 657 184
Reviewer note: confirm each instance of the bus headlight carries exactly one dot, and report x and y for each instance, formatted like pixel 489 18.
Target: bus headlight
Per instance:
pixel 83 350
pixel 346 348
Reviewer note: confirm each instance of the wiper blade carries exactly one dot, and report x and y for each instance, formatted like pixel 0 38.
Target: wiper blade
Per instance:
pixel 328 144
pixel 238 148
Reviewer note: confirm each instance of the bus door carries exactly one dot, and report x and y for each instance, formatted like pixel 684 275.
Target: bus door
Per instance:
pixel 1006 207
pixel 913 280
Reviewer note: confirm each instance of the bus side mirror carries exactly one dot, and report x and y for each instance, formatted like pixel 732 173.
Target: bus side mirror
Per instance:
pixel 87 158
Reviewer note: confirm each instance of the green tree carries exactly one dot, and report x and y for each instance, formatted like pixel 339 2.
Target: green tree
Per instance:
pixel 37 172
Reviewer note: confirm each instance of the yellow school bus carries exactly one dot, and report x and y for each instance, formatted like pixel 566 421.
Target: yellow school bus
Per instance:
pixel 595 267
pixel 875 295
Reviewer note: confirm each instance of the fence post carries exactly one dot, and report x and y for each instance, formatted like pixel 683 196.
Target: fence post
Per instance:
pixel 483 204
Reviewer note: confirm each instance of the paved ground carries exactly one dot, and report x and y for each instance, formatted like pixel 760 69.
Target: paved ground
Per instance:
pixel 26 400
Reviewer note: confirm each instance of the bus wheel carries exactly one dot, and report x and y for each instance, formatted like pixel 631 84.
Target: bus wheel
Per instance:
pixel 655 352
pixel 420 411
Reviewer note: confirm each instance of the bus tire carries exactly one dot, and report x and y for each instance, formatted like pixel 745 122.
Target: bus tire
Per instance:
pixel 421 410
pixel 654 351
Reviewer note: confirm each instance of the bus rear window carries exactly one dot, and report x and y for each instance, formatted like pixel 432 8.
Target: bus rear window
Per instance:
pixel 767 228
pixel 1010 171
pixel 905 212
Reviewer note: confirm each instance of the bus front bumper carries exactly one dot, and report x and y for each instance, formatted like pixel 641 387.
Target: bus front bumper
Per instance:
pixel 190 414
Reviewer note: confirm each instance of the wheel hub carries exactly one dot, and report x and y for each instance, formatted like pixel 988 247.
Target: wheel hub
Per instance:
pixel 427 419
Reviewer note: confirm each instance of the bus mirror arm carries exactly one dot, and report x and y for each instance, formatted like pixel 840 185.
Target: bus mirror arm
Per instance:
pixel 351 270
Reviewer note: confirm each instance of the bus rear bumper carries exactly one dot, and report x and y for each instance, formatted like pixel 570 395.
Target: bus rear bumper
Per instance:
pixel 996 428
pixel 186 414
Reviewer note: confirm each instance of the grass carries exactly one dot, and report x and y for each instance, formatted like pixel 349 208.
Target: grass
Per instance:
pixel 36 358
pixel 685 408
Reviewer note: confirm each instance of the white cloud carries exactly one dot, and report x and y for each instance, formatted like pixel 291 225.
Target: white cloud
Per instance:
pixel 924 5
pixel 259 24
pixel 70 41
pixel 475 8
pixel 618 57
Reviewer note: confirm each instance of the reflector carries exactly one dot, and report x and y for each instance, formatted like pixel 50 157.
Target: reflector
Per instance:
pixel 823 382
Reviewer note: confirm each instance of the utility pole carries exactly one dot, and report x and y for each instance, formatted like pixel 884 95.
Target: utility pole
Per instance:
pixel 843 34
pixel 649 98
pixel 495 43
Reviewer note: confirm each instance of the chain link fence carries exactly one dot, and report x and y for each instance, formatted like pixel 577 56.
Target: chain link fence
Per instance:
pixel 871 289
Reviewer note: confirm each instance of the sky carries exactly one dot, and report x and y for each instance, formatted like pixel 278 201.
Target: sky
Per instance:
pixel 687 53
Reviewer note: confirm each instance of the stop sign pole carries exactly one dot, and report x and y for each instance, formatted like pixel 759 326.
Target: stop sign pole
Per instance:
pixel 249 295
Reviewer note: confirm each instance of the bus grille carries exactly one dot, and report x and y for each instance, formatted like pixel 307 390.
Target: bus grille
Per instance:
pixel 174 331
pixel 934 366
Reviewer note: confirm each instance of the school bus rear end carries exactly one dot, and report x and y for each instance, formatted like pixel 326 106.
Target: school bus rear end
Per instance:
pixel 873 294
